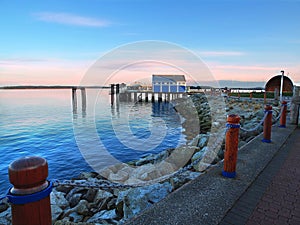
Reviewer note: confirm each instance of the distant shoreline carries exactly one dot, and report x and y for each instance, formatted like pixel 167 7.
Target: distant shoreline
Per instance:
pixel 21 87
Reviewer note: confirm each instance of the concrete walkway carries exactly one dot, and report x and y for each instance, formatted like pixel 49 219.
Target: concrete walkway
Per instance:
pixel 274 197
pixel 213 199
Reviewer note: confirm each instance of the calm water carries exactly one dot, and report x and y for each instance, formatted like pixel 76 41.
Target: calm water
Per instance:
pixel 42 122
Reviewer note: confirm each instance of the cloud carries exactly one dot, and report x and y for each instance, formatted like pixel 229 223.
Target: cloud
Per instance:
pixel 252 67
pixel 71 19
pixel 42 72
pixel 220 53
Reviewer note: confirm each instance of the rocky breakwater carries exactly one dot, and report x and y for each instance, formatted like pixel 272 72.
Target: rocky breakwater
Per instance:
pixel 251 113
pixel 146 181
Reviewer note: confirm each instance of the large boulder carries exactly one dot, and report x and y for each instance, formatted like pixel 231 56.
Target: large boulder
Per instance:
pixel 135 200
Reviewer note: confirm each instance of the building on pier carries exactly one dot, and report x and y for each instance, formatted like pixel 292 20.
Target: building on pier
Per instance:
pixel 168 83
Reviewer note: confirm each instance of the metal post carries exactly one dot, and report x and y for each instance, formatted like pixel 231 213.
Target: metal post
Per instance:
pixel 281 84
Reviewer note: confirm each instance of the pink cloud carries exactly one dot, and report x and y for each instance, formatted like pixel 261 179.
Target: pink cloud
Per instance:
pixel 220 53
pixel 43 72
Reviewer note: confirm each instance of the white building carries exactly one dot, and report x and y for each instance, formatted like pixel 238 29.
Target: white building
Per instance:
pixel 168 83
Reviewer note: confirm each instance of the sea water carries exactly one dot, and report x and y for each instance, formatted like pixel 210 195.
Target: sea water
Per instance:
pixel 44 123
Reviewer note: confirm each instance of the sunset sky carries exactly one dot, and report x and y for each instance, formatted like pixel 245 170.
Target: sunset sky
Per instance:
pixel 56 42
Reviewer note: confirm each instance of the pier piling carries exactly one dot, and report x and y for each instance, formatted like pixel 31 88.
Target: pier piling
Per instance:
pixel 74 100
pixel 83 99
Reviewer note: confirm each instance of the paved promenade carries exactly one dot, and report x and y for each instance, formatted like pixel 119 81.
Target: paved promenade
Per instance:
pixel 265 191
pixel 274 197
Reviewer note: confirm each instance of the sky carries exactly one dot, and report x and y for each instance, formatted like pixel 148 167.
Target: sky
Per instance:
pixel 54 42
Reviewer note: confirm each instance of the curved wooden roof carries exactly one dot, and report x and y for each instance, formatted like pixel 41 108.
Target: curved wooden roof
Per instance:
pixel 275 82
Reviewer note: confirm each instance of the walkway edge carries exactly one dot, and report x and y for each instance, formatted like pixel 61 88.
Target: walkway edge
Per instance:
pixel 209 197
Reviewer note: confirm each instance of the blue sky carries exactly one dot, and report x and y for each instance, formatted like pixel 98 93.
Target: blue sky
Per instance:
pixel 55 42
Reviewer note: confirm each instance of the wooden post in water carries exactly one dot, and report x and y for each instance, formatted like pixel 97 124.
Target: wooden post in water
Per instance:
pixel 74 100
pixel 146 97
pixel 231 146
pixel 168 97
pixel 265 97
pixel 135 97
pixel 30 195
pixel 112 93
pixel 129 97
pixel 117 88
pixel 83 99
pixel 160 97
pixel 267 124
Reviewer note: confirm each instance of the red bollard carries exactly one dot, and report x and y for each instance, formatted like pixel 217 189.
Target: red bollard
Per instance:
pixel 265 97
pixel 283 114
pixel 267 124
pixel 231 146
pixel 251 95
pixel 239 95
pixel 30 194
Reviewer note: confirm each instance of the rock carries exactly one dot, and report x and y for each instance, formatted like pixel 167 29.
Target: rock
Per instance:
pixel 195 141
pixel 165 168
pixel 75 217
pixel 136 200
pixel 199 154
pixel 5 217
pixel 203 140
pixel 101 194
pixel 119 177
pixel 179 180
pixel 3 207
pixel 101 201
pixel 82 208
pixel 102 216
pixel 181 156
pixel 146 172
pixel 242 143
pixel 90 195
pixel 56 212
pixel 111 204
pixel 200 167
pixel 74 199
pixel 64 189
pixel 86 175
pixel 65 222
pixel 58 198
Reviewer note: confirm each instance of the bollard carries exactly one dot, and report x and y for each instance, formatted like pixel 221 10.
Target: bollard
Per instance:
pixel 283 114
pixel 265 97
pixel 231 146
pixel 239 95
pixel 251 95
pixel 267 124
pixel 30 194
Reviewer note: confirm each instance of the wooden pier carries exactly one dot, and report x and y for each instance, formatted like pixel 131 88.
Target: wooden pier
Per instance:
pixel 73 93
pixel 142 95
